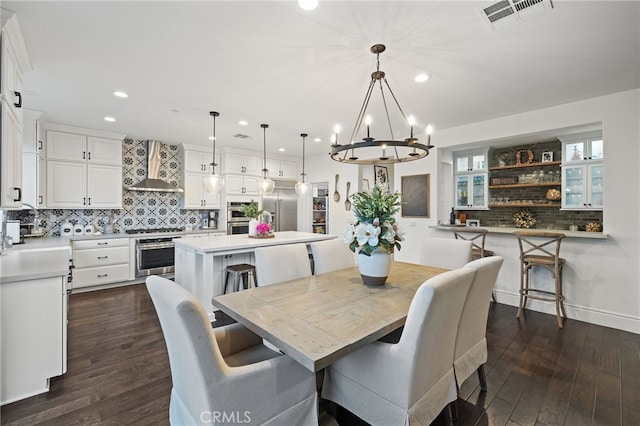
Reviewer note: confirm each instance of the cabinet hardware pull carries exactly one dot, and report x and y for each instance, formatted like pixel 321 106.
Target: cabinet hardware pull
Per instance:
pixel 19 193
pixel 84 201
pixel 89 156
pixel 103 243
pixel 89 200
pixel 39 144
pixel 40 199
pixel 84 155
pixel 103 257
pixel 19 103
pixel 102 275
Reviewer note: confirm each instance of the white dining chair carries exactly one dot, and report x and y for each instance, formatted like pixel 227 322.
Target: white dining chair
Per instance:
pixel 331 255
pixel 226 371
pixel 275 264
pixel 445 253
pixel 471 344
pixel 412 381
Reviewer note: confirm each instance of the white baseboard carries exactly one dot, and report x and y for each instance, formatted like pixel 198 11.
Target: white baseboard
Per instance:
pixel 579 313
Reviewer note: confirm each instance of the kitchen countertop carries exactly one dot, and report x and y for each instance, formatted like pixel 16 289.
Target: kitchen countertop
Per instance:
pixel 46 258
pixel 243 242
pixel 505 230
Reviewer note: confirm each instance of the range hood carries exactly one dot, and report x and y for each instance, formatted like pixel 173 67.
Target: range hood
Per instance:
pixel 153 183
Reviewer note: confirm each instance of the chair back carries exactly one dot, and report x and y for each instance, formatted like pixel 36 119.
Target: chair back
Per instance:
pixel 473 321
pixel 194 356
pixel 429 334
pixel 331 255
pixel 275 264
pixel 477 236
pixel 445 253
pixel 540 247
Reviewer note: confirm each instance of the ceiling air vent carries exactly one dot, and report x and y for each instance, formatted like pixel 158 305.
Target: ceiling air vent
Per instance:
pixel 241 136
pixel 505 10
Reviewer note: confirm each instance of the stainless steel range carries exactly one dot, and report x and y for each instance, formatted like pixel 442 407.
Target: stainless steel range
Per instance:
pixel 155 255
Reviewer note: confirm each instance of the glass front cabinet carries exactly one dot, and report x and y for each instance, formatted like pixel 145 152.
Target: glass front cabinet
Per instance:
pixel 471 189
pixel 582 171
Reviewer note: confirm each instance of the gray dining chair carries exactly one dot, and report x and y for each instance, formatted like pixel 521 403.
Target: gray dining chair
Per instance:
pixel 412 381
pixel 227 371
pixel 331 255
pixel 471 343
pixel 445 252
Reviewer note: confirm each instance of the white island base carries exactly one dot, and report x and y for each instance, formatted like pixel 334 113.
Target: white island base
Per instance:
pixel 201 262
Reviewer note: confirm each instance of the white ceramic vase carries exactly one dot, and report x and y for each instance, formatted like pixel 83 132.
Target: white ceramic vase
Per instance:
pixel 374 269
pixel 253 224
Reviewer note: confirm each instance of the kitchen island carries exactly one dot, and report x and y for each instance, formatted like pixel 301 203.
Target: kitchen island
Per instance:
pixel 201 262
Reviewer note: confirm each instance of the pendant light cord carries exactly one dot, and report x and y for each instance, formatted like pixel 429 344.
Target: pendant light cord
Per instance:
pixel 214 114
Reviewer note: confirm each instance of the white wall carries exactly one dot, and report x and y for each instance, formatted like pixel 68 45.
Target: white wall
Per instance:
pixel 601 279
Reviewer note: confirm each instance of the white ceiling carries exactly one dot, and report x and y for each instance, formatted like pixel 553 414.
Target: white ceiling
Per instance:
pixel 304 71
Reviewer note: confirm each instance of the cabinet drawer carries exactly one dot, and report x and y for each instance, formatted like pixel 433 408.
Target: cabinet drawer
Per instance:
pixel 93 244
pixel 100 257
pixel 101 275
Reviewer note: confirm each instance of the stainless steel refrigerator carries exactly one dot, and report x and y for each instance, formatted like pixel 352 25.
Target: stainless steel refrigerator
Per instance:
pixel 283 206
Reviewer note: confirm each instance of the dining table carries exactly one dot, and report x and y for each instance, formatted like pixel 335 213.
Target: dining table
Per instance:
pixel 317 320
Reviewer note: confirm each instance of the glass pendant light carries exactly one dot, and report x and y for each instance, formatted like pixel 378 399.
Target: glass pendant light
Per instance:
pixel 303 188
pixel 265 185
pixel 214 182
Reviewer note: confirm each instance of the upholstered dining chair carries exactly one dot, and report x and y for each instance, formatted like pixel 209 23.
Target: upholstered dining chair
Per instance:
pixel 412 381
pixel 331 255
pixel 445 252
pixel 225 375
pixel 471 344
pixel 275 264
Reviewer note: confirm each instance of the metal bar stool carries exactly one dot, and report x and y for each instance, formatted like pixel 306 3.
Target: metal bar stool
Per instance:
pixel 543 251
pixel 237 272
pixel 477 237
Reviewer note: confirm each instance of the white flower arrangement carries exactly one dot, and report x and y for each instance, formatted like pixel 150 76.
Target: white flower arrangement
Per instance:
pixel 376 227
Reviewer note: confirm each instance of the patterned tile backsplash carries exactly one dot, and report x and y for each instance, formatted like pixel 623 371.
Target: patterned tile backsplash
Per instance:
pixel 140 209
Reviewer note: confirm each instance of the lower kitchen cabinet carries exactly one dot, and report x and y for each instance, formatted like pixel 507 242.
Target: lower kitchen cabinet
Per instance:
pixel 101 261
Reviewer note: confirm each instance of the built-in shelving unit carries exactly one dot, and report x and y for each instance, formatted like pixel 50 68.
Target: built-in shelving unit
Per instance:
pixel 520 166
pixel 319 208
pixel 525 185
pixel 555 205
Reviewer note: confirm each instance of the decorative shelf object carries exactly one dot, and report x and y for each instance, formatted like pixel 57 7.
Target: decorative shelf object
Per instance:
pixel 521 166
pixel 525 185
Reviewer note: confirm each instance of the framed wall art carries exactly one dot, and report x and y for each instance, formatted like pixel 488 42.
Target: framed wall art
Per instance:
pixel 415 196
pixel 381 176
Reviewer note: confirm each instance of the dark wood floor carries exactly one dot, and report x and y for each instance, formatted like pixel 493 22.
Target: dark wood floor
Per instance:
pixel 118 371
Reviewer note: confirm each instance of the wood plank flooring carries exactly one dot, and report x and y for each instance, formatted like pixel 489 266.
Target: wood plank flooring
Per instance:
pixel 118 371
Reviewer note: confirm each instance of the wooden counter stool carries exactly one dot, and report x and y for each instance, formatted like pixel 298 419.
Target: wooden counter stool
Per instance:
pixel 541 249
pixel 477 237
pixel 237 272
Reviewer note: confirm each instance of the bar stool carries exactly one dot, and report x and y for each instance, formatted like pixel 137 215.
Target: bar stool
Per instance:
pixel 477 237
pixel 541 252
pixel 236 272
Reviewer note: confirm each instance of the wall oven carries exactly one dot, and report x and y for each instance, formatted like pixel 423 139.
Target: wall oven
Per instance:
pixel 237 222
pixel 154 256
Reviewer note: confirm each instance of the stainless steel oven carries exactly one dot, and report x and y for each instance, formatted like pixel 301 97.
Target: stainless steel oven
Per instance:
pixel 237 222
pixel 154 256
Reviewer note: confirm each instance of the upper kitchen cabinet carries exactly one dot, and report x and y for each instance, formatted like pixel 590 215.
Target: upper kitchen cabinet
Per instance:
pixel 197 165
pixel 33 163
pixel 282 169
pixel 471 176
pixel 84 168
pixel 243 163
pixel 583 171
pixel 14 62
pixel 582 147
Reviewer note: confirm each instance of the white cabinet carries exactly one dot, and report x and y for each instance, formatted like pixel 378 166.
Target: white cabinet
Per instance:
pixel 81 185
pixel 100 261
pixel 244 164
pixel 197 165
pixel 241 185
pixel 84 168
pixel 79 147
pixel 471 188
pixel 33 165
pixel 282 169
pixel 14 62
pixel 583 171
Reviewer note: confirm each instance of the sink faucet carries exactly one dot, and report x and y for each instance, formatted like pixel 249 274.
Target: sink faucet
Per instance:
pixel 36 218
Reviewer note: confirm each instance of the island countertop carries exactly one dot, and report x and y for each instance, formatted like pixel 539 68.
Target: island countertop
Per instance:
pixel 227 243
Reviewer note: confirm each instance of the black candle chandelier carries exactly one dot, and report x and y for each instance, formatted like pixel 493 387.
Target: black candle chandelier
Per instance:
pixel 380 151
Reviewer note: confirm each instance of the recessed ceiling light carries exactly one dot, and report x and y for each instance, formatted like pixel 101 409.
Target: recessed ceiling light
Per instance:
pixel 422 77
pixel 317 140
pixel 281 149
pixel 109 119
pixel 243 122
pixel 308 4
pixel 120 94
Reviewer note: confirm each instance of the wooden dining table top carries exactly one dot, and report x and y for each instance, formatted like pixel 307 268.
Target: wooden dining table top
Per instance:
pixel 317 320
